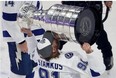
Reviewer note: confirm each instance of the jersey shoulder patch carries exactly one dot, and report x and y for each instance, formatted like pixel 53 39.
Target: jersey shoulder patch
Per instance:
pixel 69 55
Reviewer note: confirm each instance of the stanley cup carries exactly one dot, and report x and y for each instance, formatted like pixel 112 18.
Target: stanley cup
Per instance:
pixel 74 23
pixel 59 18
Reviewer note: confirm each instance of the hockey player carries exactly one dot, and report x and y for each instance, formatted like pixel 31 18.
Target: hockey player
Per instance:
pixel 53 63
pixel 20 63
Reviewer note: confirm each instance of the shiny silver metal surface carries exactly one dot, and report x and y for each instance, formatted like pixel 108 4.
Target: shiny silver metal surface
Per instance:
pixel 63 19
pixel 58 18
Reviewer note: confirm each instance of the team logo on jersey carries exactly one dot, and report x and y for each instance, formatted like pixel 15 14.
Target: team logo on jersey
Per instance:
pixel 69 55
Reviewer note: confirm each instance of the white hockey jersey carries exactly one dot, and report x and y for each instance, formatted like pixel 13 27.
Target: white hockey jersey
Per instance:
pixel 67 65
pixel 11 29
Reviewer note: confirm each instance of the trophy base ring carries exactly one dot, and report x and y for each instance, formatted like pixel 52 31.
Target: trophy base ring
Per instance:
pixel 85 29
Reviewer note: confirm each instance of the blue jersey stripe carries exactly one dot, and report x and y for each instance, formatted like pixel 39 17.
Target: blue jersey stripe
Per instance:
pixel 9 17
pixel 35 32
pixel 38 32
pixel 6 34
pixel 94 74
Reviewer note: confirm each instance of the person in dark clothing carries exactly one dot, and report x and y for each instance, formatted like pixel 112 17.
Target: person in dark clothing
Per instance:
pixel 102 42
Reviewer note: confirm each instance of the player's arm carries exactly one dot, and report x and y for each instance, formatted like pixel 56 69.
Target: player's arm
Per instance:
pixel 38 5
pixel 95 60
pixel 9 14
pixel 31 40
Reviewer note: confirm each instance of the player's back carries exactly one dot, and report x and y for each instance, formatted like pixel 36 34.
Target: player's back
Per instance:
pixel 63 67
pixel 50 73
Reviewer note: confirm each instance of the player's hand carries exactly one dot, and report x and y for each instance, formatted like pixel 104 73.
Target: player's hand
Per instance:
pixel 27 31
pixel 108 3
pixel 23 47
pixel 87 48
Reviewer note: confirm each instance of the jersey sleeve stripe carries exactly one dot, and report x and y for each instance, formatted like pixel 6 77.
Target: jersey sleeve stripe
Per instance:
pixel 35 32
pixel 38 31
pixel 94 74
pixel 6 34
pixel 9 17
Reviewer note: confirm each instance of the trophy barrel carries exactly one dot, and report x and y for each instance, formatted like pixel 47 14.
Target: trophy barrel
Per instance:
pixel 76 23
